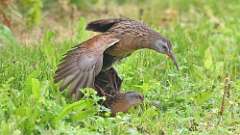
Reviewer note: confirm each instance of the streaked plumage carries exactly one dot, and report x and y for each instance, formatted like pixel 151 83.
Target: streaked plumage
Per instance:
pixel 90 63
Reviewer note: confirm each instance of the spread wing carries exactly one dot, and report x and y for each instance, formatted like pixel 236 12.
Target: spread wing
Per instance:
pixel 81 64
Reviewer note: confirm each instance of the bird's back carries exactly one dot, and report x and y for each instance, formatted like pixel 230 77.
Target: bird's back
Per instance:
pixel 133 35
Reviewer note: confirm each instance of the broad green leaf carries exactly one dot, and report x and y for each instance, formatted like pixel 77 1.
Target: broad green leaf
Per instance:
pixel 203 97
pixel 80 105
pixel 208 60
pixel 36 88
pixel 84 114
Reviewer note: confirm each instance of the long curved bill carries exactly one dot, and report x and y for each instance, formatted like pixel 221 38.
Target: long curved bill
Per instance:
pixel 172 56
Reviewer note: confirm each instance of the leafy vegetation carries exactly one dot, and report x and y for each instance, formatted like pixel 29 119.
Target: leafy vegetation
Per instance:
pixel 202 98
pixel 32 10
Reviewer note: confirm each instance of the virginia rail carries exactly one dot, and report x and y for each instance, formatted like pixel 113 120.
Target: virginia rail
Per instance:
pixel 90 64
pixel 121 102
pixel 108 84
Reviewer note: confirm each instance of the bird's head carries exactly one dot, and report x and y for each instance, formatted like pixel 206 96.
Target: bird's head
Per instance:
pixel 133 98
pixel 164 46
pixel 121 102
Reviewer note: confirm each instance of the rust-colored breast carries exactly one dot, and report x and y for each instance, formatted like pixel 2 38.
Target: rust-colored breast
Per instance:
pixel 120 106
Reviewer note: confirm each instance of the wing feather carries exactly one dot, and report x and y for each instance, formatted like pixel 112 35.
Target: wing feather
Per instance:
pixel 68 80
pixel 81 64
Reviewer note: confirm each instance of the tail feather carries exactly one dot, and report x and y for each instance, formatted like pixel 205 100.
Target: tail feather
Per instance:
pixel 102 25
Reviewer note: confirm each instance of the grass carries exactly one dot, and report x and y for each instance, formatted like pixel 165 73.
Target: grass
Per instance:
pixel 206 42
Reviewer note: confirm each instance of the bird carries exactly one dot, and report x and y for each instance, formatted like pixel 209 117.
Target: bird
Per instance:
pixel 90 63
pixel 121 102
pixel 109 85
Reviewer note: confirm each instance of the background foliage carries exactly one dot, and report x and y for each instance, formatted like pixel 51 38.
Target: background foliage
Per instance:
pixel 202 98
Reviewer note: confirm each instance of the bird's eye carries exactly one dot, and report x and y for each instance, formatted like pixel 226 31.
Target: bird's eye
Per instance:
pixel 140 97
pixel 164 47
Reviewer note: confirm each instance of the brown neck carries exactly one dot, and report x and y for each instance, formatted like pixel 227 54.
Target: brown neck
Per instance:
pixel 148 40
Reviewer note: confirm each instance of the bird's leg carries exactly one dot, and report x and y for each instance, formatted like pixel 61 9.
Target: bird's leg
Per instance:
pixel 108 83
pixel 112 80
pixel 115 80
pixel 102 91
